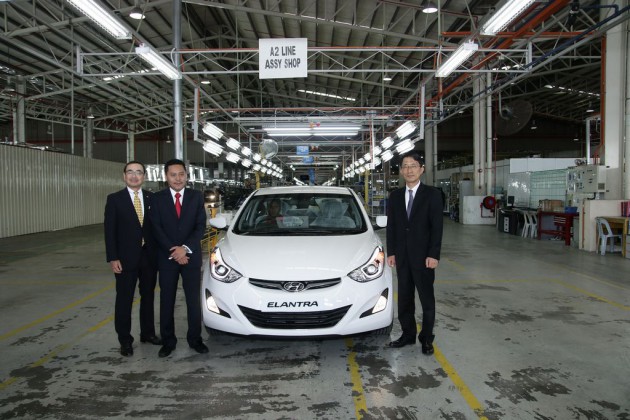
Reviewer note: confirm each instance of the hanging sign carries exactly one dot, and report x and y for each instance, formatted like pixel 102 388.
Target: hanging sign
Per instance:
pixel 301 150
pixel 282 58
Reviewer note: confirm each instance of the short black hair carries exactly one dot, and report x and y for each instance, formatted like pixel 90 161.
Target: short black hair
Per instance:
pixel 173 162
pixel 414 155
pixel 136 162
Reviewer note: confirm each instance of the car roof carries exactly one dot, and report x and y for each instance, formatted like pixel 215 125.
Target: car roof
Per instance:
pixel 307 189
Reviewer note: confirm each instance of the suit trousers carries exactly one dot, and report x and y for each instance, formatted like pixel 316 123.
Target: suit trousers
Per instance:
pixel 410 280
pixel 146 278
pixel 191 282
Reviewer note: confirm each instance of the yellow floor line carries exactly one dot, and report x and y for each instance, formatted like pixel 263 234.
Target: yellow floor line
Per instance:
pixel 57 312
pixel 358 395
pixel 593 295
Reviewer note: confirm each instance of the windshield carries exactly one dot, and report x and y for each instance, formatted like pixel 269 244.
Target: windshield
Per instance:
pixel 301 214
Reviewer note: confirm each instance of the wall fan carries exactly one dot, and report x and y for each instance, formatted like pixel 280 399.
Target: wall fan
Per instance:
pixel 513 117
pixel 268 148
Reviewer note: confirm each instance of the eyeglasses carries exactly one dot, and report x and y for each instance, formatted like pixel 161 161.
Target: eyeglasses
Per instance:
pixel 414 167
pixel 137 173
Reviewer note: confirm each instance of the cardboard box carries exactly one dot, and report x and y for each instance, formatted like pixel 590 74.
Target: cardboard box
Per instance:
pixel 551 205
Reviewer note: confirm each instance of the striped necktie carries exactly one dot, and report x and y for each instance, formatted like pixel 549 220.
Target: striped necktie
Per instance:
pixel 137 205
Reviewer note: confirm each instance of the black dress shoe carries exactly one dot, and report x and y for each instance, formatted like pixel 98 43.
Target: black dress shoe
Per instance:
pixel 165 351
pixel 427 346
pixel 199 347
pixel 151 339
pixel 126 350
pixel 402 341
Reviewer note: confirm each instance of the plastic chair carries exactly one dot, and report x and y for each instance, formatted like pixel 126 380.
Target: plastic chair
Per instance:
pixel 533 220
pixel 527 226
pixel 605 233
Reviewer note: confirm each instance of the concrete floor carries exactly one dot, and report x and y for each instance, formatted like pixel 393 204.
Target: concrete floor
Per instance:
pixel 526 329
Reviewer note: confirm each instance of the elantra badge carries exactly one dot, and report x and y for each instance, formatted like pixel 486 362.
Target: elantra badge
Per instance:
pixel 293 286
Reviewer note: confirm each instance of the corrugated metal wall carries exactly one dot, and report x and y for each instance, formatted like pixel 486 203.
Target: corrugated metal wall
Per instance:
pixel 42 191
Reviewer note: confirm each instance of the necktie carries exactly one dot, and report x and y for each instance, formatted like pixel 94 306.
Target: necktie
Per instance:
pixel 409 204
pixel 138 206
pixel 178 204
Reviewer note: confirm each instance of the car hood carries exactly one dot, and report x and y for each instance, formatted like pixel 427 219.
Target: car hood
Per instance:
pixel 297 257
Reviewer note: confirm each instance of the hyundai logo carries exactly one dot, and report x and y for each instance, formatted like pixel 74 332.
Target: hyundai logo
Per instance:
pixel 293 286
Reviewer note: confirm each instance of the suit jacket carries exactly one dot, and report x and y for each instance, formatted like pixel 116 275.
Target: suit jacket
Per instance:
pixel 172 231
pixel 413 240
pixel 123 232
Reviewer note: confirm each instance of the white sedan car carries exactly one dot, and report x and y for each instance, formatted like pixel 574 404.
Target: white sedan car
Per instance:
pixel 298 261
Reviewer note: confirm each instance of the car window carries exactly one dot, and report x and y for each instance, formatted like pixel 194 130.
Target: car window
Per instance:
pixel 301 214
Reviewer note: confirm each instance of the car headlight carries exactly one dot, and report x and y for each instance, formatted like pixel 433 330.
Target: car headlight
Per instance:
pixel 372 269
pixel 219 270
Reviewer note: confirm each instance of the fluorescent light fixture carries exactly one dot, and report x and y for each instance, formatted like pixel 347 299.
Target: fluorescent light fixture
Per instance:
pixel 405 130
pixel 461 54
pixel 256 157
pixel 376 151
pixel 233 144
pixel 502 17
pixel 404 146
pixel 429 7
pixel 212 131
pixel 161 64
pixel 232 157
pixel 269 163
pixel 136 13
pixel 328 95
pixel 246 151
pixel 212 147
pixel 313 130
pixel 387 78
pixel 367 157
pixel 205 82
pixel 102 17
pixel 367 166
pixel 256 167
pixel 361 161
pixel 387 143
pixel 264 170
pixel 361 169
pixel 387 155
pixel 263 162
pixel 377 162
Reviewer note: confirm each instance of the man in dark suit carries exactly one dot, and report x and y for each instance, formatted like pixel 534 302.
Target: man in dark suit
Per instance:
pixel 414 240
pixel 179 222
pixel 131 252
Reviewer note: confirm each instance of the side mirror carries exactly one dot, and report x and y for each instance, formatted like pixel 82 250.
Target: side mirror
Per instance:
pixel 381 221
pixel 219 222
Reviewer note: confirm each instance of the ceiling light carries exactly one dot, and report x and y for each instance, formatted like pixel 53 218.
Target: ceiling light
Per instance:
pixel 256 157
pixel 328 95
pixel 136 13
pixel 367 157
pixel 502 17
pixel 152 57
pixel 212 131
pixel 90 116
pixel 405 130
pixel 233 144
pixel 256 167
pixel 533 126
pixel 404 146
pixel 246 151
pixel 212 147
pixel 429 7
pixel 361 161
pixel 589 108
pixel 376 151
pixel 232 157
pixel 387 155
pixel 246 163
pixel 205 82
pixel 387 143
pixel 387 78
pixel 102 17
pixel 461 54
pixel 263 162
pixel 377 162
pixel 313 130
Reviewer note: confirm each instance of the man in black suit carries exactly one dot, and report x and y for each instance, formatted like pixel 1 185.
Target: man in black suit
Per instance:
pixel 414 240
pixel 179 222
pixel 131 252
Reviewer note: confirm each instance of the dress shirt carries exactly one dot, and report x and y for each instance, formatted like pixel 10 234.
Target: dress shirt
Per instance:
pixel 140 196
pixel 414 189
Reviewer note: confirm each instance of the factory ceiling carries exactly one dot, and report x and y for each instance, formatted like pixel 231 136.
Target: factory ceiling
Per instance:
pixel 371 63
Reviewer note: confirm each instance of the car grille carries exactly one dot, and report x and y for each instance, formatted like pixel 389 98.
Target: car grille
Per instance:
pixel 308 285
pixel 294 320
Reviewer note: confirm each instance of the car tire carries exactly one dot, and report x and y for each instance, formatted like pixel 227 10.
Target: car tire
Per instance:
pixel 384 330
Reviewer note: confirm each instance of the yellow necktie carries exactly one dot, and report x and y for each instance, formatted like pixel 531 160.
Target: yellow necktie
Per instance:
pixel 138 206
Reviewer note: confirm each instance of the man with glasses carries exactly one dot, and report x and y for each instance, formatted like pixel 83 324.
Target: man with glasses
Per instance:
pixel 132 254
pixel 414 241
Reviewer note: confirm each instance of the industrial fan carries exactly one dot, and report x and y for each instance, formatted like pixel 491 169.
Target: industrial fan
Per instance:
pixel 513 117
pixel 268 148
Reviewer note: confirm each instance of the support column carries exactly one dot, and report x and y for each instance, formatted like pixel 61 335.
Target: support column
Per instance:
pixel 88 138
pixel 429 156
pixel 178 126
pixel 20 113
pixel 489 135
pixel 131 142
pixel 615 112
pixel 479 139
